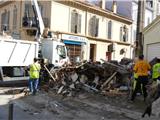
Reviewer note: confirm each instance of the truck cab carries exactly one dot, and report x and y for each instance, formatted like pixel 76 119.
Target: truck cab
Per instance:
pixel 54 51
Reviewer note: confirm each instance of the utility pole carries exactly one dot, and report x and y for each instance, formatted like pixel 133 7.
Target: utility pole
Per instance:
pixel 140 26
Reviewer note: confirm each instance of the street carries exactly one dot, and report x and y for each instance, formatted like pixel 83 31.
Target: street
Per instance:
pixel 87 106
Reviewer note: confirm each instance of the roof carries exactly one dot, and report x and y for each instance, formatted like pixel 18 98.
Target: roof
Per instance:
pixel 152 24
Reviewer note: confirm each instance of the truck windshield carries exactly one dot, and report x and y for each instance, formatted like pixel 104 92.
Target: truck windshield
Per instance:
pixel 61 51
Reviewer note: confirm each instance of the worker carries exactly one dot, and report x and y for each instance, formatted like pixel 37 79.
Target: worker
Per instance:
pixel 154 91
pixel 132 77
pixel 156 71
pixel 34 70
pixel 44 76
pixel 139 87
pixel 141 69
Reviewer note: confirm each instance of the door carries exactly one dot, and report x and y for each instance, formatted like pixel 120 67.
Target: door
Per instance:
pixel 108 56
pixel 153 50
pixel 92 52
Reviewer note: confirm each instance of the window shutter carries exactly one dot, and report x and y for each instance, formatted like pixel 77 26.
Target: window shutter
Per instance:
pixel 93 26
pixel 90 29
pixel 15 18
pixel 73 22
pixel 76 23
pixel 109 29
pixel 8 18
pixel 126 34
pixel 134 35
pixel 121 33
pixel 28 9
pixel 79 23
pixel 2 21
pixel 96 27
pixel 106 29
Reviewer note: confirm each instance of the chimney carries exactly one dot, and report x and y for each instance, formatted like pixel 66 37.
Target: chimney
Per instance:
pixel 114 7
pixel 102 4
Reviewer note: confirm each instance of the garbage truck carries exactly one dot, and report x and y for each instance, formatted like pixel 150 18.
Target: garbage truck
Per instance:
pixel 16 54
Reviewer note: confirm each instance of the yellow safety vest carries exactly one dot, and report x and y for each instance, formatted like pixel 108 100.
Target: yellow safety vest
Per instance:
pixel 34 70
pixel 156 71
pixel 135 75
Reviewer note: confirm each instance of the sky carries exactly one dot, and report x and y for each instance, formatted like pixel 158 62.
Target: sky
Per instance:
pixel 124 7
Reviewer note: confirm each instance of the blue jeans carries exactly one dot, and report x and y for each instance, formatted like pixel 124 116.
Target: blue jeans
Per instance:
pixel 33 85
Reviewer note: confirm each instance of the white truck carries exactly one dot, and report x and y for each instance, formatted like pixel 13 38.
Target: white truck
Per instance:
pixel 54 51
pixel 15 55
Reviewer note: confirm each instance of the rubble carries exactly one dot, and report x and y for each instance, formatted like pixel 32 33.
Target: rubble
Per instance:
pixel 87 76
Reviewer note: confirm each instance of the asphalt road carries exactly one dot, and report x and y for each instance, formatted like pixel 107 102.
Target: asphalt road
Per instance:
pixel 49 106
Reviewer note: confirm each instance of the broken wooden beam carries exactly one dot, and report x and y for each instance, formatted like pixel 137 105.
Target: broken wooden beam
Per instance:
pixel 49 73
pixel 90 87
pixel 108 80
pixel 120 68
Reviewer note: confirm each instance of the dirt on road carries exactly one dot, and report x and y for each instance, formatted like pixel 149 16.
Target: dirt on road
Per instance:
pixel 85 106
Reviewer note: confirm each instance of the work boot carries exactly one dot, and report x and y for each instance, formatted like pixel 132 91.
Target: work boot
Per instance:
pixel 34 93
pixel 148 111
pixel 132 99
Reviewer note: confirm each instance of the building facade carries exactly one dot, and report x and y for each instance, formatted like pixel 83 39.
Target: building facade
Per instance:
pixel 151 12
pixel 129 8
pixel 152 40
pixel 89 32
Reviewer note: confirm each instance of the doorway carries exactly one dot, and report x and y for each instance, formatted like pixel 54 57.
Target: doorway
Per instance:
pixel 92 52
pixel 108 56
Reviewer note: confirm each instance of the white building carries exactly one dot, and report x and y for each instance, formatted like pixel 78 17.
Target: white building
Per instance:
pixel 129 8
pixel 151 12
pixel 152 40
pixel 90 32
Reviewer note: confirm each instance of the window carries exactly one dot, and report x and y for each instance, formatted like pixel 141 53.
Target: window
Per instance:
pixel 15 18
pixel 121 33
pixel 27 19
pixel 28 10
pixel 124 33
pixel 75 22
pixel 134 35
pixel 110 30
pixel 5 20
pixel 149 3
pixel 106 29
pixel 61 51
pixel 93 26
pixel 148 20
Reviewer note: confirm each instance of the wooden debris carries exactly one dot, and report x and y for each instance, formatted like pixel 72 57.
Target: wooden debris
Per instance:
pixel 108 80
pixel 95 77
pixel 49 72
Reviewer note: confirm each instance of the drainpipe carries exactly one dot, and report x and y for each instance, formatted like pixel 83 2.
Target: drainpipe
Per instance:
pixel 20 25
pixel 87 43
pixel 140 26
pixel 86 23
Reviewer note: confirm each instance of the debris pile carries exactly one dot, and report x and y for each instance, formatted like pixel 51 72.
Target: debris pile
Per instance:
pixel 95 77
